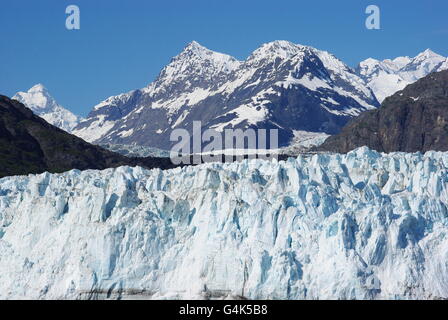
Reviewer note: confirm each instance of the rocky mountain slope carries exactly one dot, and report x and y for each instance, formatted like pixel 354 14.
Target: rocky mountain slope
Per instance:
pixel 280 85
pixel 389 76
pixel 29 144
pixel 357 226
pixel 39 100
pixel 413 119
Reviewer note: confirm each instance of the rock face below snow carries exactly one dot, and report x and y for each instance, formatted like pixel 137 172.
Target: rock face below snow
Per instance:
pixel 363 225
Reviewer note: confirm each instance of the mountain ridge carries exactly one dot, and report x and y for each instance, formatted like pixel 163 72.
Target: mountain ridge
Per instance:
pixel 258 92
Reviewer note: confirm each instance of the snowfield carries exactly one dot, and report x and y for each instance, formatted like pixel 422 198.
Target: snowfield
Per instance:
pixel 358 226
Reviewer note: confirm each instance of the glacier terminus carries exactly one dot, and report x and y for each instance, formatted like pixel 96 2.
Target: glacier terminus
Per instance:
pixel 362 225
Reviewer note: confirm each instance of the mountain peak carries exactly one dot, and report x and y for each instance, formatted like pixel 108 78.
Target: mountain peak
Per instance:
pixel 198 64
pixel 38 88
pixel 428 54
pixel 194 51
pixel 276 49
pixel 195 46
pixel 369 62
pixel 39 100
pixel 280 44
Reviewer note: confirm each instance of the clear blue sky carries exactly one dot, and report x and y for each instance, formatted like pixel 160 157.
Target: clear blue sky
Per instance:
pixel 123 44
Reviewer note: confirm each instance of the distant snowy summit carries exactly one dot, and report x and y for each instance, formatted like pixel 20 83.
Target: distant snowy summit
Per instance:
pixel 389 76
pixel 44 105
pixel 411 120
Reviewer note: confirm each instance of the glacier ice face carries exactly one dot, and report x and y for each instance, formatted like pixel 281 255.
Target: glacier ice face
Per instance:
pixel 362 225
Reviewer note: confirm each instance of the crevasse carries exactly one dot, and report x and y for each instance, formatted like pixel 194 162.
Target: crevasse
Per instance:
pixel 358 226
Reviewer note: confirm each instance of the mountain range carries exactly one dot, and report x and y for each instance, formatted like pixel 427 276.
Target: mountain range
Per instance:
pixel 281 85
pixel 293 88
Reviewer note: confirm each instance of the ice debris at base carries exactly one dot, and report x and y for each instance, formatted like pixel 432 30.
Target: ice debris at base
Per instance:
pixel 136 150
pixel 358 226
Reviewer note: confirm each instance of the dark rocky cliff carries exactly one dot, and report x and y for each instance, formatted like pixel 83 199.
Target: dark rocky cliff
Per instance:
pixel 28 144
pixel 414 119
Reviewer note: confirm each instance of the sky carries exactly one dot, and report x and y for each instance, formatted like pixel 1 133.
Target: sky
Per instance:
pixel 123 45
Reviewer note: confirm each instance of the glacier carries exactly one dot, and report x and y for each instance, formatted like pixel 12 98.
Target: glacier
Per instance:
pixel 362 225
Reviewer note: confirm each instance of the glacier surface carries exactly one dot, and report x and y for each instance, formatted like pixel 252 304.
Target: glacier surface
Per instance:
pixel 363 225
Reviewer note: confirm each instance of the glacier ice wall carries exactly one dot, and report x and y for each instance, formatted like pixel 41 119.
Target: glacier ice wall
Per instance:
pixel 358 226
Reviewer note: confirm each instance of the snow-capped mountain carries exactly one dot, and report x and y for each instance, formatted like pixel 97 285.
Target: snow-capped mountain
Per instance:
pixel 362 225
pixel 39 100
pixel 389 76
pixel 280 85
